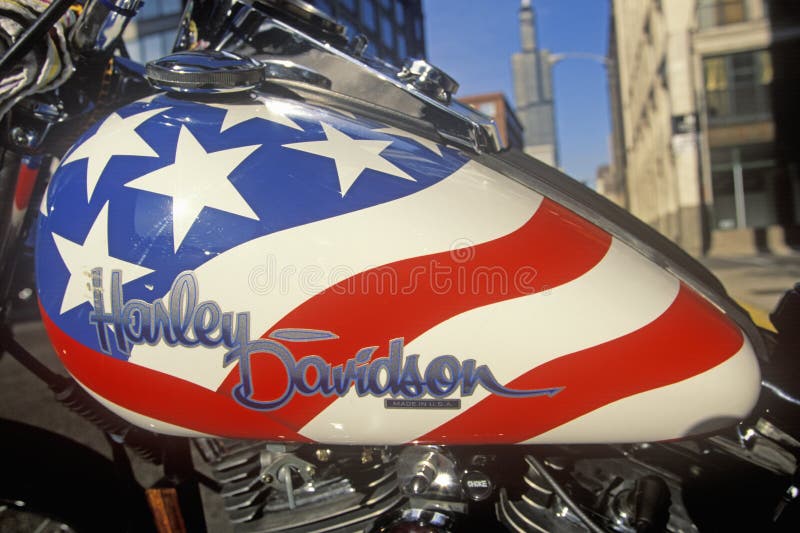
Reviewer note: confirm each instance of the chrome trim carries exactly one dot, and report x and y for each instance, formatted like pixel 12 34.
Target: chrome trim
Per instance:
pixel 429 79
pixel 354 78
pixel 277 69
pixel 300 11
pixel 256 28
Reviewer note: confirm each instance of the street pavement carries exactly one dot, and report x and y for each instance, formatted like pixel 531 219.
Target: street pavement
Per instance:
pixel 757 282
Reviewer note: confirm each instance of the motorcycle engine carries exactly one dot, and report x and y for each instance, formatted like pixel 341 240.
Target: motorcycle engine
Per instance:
pixel 347 488
pixel 710 484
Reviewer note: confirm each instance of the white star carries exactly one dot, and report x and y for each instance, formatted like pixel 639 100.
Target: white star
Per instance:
pixel 149 99
pixel 115 136
pixel 427 143
pixel 190 194
pixel 80 259
pixel 351 156
pixel 271 110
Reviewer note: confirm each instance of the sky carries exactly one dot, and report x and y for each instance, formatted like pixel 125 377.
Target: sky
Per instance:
pixel 473 41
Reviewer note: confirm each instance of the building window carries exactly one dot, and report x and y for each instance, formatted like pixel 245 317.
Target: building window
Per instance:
pixel 663 76
pixel 368 15
pixel 744 184
pixel 387 32
pixel 737 87
pixel 402 51
pixel 721 12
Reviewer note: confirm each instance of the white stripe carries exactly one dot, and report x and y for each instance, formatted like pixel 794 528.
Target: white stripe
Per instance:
pixel 271 275
pixel 621 294
pixel 138 419
pixel 718 397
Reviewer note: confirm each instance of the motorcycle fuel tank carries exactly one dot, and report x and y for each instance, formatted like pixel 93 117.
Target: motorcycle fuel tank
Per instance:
pixel 268 269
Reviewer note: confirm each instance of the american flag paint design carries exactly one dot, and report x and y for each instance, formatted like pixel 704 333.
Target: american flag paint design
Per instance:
pixel 316 223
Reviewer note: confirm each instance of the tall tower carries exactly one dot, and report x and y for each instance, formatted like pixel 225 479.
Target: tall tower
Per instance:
pixel 533 91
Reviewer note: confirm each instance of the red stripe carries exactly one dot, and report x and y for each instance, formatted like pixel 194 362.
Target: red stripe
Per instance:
pixel 162 396
pixel 26 178
pixel 689 338
pixel 558 244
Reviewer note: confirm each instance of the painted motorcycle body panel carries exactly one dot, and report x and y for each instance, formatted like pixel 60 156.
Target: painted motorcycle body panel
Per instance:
pixel 279 271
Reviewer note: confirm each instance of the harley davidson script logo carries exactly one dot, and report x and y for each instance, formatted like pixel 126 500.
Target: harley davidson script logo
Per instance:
pixel 180 319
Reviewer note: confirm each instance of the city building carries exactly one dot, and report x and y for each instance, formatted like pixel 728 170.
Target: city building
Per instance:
pixel 612 182
pixel 533 91
pixel 704 124
pixel 496 106
pixel 394 28
pixel 606 184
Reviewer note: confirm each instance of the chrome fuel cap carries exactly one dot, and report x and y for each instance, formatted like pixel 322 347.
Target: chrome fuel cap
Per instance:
pixel 205 72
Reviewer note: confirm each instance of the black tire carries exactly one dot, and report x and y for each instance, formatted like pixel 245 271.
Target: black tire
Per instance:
pixel 55 477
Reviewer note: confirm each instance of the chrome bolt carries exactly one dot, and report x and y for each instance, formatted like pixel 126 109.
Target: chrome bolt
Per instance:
pixel 23 137
pixel 366 456
pixel 358 45
pixel 428 79
pixel 323 454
